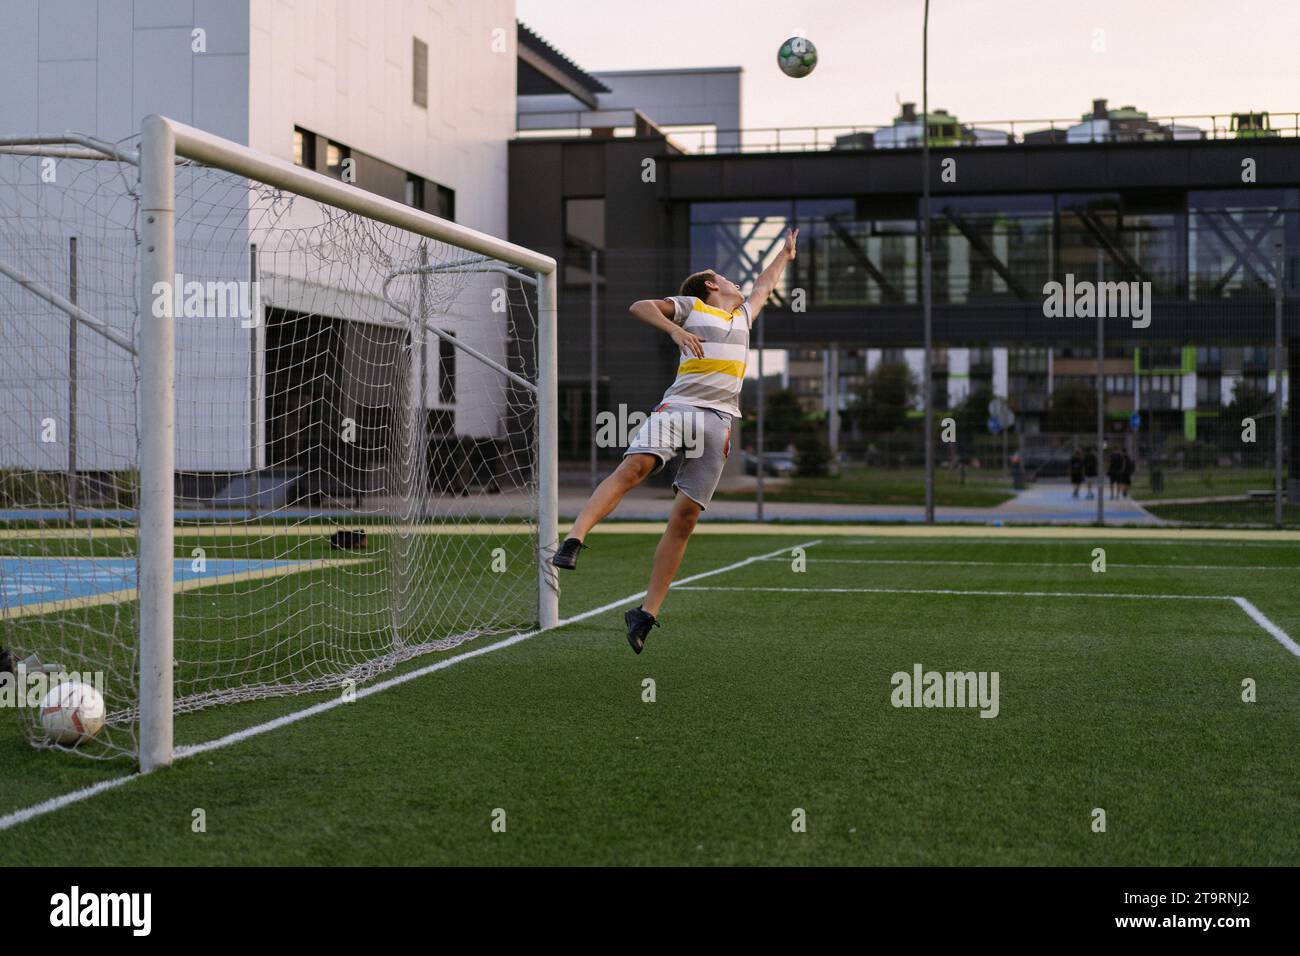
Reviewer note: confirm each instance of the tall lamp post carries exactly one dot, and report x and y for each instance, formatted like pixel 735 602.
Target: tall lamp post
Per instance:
pixel 928 397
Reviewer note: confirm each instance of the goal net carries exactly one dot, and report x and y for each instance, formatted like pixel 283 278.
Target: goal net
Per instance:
pixel 262 432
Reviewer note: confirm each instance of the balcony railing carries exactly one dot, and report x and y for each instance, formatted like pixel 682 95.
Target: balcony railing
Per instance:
pixel 707 140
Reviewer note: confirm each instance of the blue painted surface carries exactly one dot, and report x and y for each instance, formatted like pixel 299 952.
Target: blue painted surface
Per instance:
pixel 35 580
pixel 211 514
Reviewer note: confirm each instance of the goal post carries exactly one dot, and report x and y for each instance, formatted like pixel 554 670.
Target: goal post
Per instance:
pixel 347 285
pixel 162 141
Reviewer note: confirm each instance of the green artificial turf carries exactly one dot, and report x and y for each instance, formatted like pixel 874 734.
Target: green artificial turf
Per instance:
pixel 1203 483
pixel 767 702
pixel 1258 513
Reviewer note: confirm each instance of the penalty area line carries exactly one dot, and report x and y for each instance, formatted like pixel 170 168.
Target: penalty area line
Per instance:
pixel 1254 613
pixel 76 796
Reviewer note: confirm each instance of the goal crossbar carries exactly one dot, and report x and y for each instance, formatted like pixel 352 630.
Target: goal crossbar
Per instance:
pixel 162 142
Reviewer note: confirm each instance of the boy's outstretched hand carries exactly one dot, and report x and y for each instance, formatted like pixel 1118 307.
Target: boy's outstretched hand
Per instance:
pixel 791 241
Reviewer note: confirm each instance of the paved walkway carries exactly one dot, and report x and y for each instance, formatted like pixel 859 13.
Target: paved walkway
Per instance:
pixel 1043 503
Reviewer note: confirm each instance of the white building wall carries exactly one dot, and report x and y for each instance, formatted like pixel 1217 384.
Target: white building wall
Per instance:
pixel 343 71
pixel 1001 380
pixel 340 69
pixel 98 67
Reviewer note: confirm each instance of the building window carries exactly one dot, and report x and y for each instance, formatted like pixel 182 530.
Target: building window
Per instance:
pixel 446 372
pixel 584 233
pixel 304 148
pixel 415 190
pixel 335 155
pixel 444 206
pixel 419 72
pixel 1207 390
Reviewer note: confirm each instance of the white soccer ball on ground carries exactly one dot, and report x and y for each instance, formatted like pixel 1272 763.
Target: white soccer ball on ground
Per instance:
pixel 72 713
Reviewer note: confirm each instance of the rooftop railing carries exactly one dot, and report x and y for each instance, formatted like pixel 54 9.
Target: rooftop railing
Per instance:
pixel 955 132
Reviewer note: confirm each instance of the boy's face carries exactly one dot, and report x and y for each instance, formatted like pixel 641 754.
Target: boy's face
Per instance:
pixel 726 287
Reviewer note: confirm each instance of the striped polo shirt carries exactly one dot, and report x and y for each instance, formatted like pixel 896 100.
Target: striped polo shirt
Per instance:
pixel 713 381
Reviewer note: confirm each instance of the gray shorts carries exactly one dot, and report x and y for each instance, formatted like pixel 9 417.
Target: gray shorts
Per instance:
pixel 701 434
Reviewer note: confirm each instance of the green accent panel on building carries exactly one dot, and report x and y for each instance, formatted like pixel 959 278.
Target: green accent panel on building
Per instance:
pixel 1189 424
pixel 1189 359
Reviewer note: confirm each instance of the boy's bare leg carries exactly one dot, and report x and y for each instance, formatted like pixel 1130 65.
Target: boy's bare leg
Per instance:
pixel 631 471
pixel 668 555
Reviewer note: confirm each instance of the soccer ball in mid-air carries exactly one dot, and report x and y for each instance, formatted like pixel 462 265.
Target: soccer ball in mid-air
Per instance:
pixel 72 713
pixel 797 57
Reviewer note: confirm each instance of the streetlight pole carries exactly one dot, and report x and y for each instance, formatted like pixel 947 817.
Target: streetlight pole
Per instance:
pixel 1101 398
pixel 595 359
pixel 1279 264
pixel 926 305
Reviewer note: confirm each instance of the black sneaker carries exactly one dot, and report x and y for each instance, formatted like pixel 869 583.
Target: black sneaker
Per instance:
pixel 639 623
pixel 566 556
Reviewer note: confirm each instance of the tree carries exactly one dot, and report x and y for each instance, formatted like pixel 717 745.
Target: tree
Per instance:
pixel 888 394
pixel 972 415
pixel 1073 408
pixel 1252 401
pixel 813 456
pixel 782 419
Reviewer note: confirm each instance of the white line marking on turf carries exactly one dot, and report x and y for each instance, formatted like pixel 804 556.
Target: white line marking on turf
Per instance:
pixel 1017 541
pixel 952 591
pixel 1052 564
pixel 76 796
pixel 61 801
pixel 1253 612
pixel 1273 630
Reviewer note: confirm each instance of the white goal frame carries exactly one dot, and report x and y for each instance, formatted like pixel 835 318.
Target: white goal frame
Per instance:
pixel 162 142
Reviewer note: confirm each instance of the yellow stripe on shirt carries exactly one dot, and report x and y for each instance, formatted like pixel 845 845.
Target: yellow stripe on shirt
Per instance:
pixel 700 306
pixel 697 366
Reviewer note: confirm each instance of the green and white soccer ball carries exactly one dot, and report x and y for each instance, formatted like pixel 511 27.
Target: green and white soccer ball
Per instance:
pixel 797 57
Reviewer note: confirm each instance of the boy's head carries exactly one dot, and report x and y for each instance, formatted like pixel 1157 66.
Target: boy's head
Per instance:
pixel 713 289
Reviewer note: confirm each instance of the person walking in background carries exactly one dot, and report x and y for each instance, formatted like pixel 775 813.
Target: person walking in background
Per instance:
pixel 1076 470
pixel 1115 472
pixel 1090 470
pixel 1130 466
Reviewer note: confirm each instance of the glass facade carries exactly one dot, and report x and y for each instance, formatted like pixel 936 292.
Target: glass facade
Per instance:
pixel 1195 246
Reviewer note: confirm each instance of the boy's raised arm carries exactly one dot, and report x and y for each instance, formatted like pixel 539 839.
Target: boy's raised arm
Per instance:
pixel 772 274
pixel 659 313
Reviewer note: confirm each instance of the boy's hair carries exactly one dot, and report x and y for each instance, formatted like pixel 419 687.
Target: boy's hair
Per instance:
pixel 694 285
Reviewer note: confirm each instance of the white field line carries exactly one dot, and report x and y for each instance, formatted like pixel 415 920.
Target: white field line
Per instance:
pixel 1013 541
pixel 61 801
pixel 57 803
pixel 959 593
pixel 1051 564
pixel 1253 612
pixel 1272 629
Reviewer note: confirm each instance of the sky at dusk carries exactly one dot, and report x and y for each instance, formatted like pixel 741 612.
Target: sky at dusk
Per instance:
pixel 989 59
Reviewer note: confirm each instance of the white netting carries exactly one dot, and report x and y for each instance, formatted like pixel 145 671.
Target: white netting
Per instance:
pixel 313 407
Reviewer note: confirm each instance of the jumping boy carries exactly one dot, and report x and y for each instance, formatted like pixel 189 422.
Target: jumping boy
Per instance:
pixel 709 321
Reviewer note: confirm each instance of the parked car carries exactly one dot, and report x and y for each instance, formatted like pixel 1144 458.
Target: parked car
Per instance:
pixel 778 464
